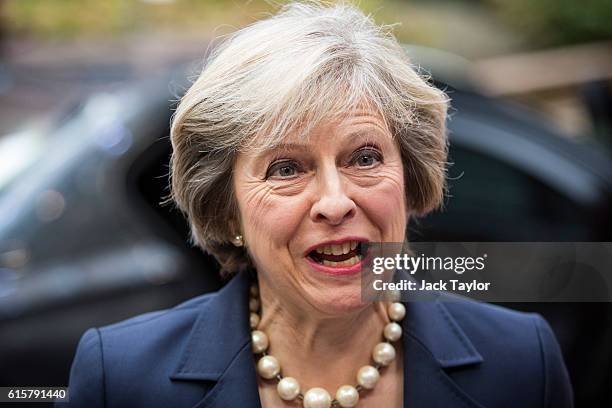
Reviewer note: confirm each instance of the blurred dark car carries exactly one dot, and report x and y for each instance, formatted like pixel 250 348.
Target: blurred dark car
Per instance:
pixel 85 242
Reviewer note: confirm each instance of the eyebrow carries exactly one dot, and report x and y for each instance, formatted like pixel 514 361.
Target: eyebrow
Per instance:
pixel 366 133
pixel 289 146
pixel 362 133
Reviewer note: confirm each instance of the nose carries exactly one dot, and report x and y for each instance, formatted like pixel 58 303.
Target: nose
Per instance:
pixel 332 205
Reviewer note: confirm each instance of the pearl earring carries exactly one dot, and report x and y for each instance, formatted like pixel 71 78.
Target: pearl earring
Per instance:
pixel 238 241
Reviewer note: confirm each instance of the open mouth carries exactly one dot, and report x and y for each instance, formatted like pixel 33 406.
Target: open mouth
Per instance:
pixel 336 255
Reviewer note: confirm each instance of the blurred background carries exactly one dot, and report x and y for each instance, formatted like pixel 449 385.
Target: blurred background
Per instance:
pixel 87 90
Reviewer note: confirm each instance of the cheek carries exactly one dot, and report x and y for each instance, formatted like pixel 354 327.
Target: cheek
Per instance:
pixel 385 204
pixel 269 220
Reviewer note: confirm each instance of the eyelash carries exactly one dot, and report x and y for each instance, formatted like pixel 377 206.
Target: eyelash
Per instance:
pixel 369 149
pixel 278 165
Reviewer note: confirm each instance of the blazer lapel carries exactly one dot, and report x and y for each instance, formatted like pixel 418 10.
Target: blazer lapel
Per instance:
pixel 237 386
pixel 219 349
pixel 433 342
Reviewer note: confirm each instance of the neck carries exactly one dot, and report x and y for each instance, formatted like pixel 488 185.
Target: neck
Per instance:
pixel 318 349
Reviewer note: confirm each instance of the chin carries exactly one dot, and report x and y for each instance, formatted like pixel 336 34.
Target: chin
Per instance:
pixel 338 301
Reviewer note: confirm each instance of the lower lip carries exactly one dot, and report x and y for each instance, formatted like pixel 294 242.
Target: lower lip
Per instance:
pixel 336 271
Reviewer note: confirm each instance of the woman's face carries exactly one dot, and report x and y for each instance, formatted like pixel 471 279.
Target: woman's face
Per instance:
pixel 306 206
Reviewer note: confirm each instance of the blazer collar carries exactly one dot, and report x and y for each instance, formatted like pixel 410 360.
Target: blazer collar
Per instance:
pixel 431 325
pixel 220 332
pixel 433 342
pixel 218 349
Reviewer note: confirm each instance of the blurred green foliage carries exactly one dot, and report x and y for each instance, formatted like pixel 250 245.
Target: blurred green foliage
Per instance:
pixel 71 18
pixel 539 22
pixel 557 22
pixel 64 17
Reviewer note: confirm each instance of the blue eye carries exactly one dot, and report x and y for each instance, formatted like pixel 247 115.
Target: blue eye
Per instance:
pixel 366 157
pixel 283 169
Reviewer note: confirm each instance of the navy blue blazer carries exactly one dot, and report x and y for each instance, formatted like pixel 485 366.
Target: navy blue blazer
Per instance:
pixel 458 353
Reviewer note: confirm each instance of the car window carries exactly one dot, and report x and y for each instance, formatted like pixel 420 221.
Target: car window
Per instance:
pixel 490 200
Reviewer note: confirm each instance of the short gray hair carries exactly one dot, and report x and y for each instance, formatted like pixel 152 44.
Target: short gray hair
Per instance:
pixel 283 75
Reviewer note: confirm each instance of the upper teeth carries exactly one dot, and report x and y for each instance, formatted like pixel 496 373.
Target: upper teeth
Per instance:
pixel 337 249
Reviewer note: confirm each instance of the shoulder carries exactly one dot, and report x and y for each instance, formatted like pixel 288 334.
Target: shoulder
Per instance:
pixel 491 327
pixel 488 321
pixel 153 326
pixel 516 347
pixel 144 347
pixel 144 337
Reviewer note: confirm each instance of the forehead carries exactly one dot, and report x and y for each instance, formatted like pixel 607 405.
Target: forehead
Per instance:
pixel 361 118
pixel 361 122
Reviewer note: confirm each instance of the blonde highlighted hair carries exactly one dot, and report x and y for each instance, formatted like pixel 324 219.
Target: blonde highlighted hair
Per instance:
pixel 309 63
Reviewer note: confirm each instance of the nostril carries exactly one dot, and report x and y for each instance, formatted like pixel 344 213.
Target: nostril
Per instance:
pixel 350 214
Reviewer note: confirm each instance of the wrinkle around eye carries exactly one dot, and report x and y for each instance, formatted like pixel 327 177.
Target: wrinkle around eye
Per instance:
pixel 288 186
pixel 370 176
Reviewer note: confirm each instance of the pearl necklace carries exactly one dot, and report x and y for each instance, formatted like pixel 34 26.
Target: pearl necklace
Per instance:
pixel 288 388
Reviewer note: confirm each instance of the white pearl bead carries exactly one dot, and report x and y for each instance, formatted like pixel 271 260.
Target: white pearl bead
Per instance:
pixel 347 396
pixel 268 367
pixel 253 304
pixel 288 388
pixel 317 398
pixel 396 311
pixel 254 290
pixel 259 341
pixel 393 331
pixel 254 320
pixel 383 353
pixel 367 377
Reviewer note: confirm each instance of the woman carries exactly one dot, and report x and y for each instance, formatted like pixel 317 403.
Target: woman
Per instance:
pixel 305 136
